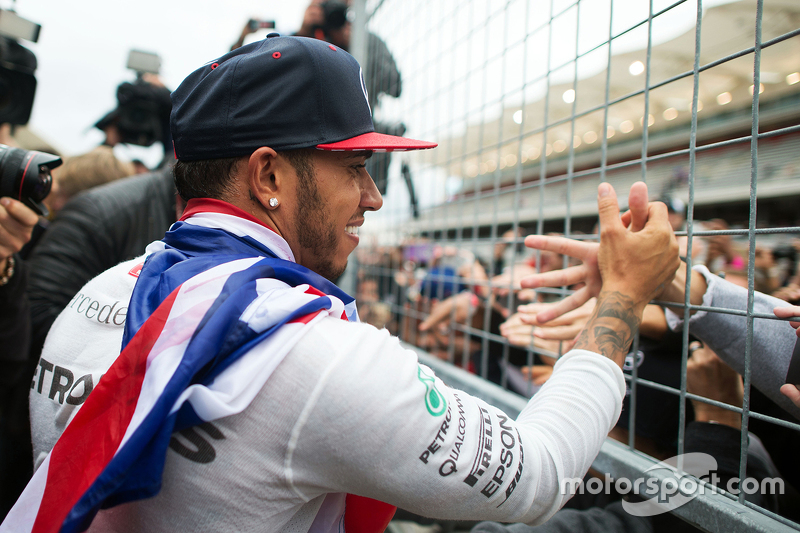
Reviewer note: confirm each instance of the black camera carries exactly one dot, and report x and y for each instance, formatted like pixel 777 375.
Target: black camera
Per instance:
pixel 142 113
pixel 25 176
pixel 17 65
pixel 17 82
pixel 143 110
pixel 334 16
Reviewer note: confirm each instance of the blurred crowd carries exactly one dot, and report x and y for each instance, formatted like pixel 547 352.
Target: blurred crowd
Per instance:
pixel 424 289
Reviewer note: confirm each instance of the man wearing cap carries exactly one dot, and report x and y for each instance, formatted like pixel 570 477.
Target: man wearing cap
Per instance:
pixel 246 395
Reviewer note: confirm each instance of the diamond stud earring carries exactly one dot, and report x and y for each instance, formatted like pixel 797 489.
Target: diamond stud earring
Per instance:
pixel 273 202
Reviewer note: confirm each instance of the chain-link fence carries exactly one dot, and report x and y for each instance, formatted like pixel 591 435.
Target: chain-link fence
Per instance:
pixel 533 104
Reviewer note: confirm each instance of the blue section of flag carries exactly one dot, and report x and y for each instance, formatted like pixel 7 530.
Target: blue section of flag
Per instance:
pixel 187 254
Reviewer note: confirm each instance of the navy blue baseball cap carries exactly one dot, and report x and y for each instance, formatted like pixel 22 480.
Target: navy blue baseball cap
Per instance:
pixel 282 92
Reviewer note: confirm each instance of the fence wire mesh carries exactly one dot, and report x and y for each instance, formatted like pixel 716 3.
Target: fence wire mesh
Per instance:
pixel 533 104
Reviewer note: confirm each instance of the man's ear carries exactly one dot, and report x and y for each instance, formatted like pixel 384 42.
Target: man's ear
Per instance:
pixel 265 176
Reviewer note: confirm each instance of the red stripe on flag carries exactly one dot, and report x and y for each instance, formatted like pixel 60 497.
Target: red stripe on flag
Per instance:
pixel 305 319
pixel 365 515
pixel 317 292
pixel 90 441
pixel 314 291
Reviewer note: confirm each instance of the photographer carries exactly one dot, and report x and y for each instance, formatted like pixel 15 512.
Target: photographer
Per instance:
pixel 19 201
pixel 16 224
pixel 141 116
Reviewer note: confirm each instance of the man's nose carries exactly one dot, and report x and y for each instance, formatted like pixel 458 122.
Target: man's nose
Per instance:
pixel 371 198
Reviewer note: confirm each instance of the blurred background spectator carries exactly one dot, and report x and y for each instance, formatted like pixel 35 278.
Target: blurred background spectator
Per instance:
pixel 82 172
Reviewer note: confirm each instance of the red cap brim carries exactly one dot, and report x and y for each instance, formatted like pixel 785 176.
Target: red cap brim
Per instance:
pixel 377 142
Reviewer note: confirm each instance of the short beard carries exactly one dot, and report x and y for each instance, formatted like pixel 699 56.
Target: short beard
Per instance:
pixel 310 225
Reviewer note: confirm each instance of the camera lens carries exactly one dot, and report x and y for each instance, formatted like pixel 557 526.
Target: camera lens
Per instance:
pixel 25 176
pixel 41 188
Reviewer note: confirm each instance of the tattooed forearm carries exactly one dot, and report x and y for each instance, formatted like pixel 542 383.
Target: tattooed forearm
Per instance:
pixel 611 341
pixel 612 327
